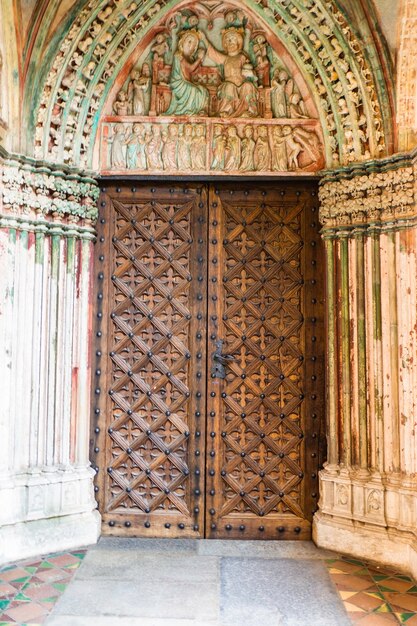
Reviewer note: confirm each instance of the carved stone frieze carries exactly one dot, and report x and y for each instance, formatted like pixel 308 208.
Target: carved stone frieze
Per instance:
pixel 29 190
pixel 209 145
pixel 385 191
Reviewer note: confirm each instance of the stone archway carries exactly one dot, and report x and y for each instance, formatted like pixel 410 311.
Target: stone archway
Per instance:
pixel 368 208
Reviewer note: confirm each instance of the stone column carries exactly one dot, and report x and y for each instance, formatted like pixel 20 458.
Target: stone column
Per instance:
pixel 368 504
pixel 46 252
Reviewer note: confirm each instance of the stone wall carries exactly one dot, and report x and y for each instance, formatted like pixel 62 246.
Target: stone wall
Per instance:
pixel 46 244
pixel 368 504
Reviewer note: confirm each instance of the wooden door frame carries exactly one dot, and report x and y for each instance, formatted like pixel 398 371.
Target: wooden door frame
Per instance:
pixel 98 313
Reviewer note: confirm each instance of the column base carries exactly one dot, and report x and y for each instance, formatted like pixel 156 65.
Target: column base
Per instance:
pixel 369 516
pixel 387 547
pixel 33 538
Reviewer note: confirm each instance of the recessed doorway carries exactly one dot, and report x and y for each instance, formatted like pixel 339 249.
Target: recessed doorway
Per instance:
pixel 209 368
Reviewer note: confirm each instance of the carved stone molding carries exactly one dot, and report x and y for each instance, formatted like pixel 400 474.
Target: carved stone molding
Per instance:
pixel 372 499
pixel 33 192
pixel 378 192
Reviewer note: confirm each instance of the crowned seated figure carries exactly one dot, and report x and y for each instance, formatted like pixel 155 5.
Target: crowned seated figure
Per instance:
pixel 237 94
pixel 188 98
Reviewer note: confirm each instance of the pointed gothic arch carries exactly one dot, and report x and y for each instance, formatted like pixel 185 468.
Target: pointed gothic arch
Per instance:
pixel 101 44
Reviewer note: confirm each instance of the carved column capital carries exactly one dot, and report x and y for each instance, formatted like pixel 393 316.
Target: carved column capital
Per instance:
pixel 382 193
pixel 34 196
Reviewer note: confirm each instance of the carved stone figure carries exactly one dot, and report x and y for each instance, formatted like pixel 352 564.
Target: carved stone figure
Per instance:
pixel 293 148
pixel 309 142
pixel 218 148
pixel 233 149
pixel 154 149
pixel 118 159
pixel 263 65
pixel 188 98
pixel 198 148
pixel 184 148
pixel 262 155
pixel 248 150
pixel 160 48
pixel 132 148
pixel 296 107
pixel 139 91
pixel 170 147
pixel 237 94
pixel 279 154
pixel 121 106
pixel 279 102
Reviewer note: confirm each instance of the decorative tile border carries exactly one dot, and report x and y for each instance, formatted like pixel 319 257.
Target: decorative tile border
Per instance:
pixel 30 589
pixel 373 595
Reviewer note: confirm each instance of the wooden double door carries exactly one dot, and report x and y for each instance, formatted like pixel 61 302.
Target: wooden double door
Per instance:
pixel 208 370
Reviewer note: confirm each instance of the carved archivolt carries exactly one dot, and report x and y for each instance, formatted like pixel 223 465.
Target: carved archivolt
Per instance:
pixel 104 39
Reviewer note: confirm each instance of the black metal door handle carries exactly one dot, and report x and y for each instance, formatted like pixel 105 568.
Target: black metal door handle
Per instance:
pixel 220 361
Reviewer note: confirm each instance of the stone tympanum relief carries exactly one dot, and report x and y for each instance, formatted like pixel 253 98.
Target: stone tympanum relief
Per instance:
pixel 210 95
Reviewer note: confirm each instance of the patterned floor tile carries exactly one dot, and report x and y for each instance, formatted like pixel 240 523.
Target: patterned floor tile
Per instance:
pixel 30 589
pixel 373 594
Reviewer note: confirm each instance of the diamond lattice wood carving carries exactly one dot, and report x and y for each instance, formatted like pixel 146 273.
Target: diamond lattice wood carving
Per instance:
pixel 193 446
pixel 154 330
pixel 259 412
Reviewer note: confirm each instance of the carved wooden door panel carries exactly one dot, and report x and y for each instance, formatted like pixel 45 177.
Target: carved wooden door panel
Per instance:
pixel 265 284
pixel 189 442
pixel 151 421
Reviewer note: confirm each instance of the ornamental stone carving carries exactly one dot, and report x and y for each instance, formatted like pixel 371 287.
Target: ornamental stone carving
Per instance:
pixel 219 52
pixel 29 192
pixel 385 191
pixel 210 95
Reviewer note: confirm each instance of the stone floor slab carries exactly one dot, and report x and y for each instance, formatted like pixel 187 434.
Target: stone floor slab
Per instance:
pixel 155 546
pixel 278 592
pixel 70 620
pixel 140 599
pixel 145 582
pixel 132 565
pixel 264 549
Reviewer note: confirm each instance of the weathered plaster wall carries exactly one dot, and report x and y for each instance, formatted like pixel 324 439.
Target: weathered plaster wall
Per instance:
pixel 46 246
pixel 368 504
